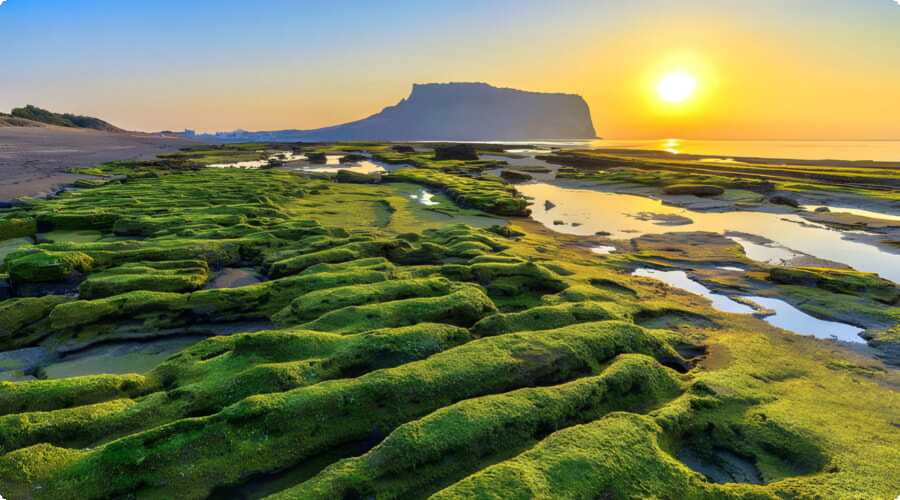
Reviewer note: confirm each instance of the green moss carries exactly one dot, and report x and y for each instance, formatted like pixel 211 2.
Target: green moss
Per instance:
pixel 547 317
pixel 847 282
pixel 524 410
pixel 343 253
pixel 166 276
pixel 616 456
pixel 457 440
pixel 37 265
pixel 31 465
pixel 487 193
pixel 227 445
pixel 463 307
pixel 17 314
pixel 14 227
pixel 314 304
pixel 48 395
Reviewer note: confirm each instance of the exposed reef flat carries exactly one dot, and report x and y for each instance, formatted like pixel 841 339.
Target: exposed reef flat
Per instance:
pixel 409 355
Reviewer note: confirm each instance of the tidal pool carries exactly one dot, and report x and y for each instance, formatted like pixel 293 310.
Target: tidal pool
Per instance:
pixel 790 318
pixel 587 211
pixel 424 197
pixel 786 316
pixel 679 279
pixel 118 357
pixel 853 211
pixel 603 250
pixel 283 156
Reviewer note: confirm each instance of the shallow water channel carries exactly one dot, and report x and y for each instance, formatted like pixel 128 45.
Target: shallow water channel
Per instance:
pixel 583 211
pixel 785 315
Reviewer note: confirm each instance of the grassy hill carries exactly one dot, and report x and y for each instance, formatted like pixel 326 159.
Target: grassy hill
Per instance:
pixel 31 116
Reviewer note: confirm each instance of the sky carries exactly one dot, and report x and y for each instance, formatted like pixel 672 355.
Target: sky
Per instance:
pixel 765 69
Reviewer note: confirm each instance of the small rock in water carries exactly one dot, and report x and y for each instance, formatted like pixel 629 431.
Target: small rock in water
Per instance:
pixel 548 205
pixel 694 189
pixel 558 223
pixel 823 209
pixel 513 176
pixel 464 152
pixel 784 200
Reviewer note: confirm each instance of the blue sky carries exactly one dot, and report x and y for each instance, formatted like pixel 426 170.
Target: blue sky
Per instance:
pixel 270 64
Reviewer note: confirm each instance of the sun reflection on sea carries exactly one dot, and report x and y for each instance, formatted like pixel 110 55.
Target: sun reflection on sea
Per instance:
pixel 671 146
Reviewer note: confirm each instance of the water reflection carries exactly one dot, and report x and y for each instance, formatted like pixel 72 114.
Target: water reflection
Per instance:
pixel 790 318
pixel 424 197
pixel 679 279
pixel 586 212
pixel 785 315
pixel 853 211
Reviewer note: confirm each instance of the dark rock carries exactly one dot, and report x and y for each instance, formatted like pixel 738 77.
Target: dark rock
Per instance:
pixel 403 149
pixel 784 200
pixel 603 233
pixel 4 204
pixel 353 158
pixel 506 231
pixel 513 176
pixel 463 152
pixel 351 177
pixel 6 289
pixel 559 223
pixel 765 187
pixel 823 209
pixel 316 158
pixel 548 205
pixel 694 189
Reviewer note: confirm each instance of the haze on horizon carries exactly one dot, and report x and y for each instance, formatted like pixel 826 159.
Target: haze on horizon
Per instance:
pixel 767 69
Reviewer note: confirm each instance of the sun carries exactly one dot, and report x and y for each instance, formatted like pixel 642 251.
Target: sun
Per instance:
pixel 676 87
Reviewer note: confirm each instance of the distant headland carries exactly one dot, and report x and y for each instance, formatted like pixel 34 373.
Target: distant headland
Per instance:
pixel 451 112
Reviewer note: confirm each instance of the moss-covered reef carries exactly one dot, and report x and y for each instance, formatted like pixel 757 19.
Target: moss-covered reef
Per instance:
pixel 502 362
pixel 486 192
pixel 874 179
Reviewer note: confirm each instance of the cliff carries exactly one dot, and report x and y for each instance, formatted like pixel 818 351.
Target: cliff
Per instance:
pixel 456 112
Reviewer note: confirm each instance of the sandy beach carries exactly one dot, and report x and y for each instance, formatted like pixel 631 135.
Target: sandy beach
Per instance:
pixel 34 160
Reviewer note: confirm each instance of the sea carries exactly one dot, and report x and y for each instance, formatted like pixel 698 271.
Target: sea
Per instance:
pixel 795 150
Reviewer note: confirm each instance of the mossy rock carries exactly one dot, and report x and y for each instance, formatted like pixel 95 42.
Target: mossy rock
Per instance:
pixel 847 282
pixel 14 227
pixel 514 176
pixel 165 276
pixel 463 307
pixel 38 265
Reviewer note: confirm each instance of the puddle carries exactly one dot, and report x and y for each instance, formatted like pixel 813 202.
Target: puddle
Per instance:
pixel 679 279
pixel 11 245
pixel 603 250
pixel 118 357
pixel 234 278
pixel 768 254
pixel 721 466
pixel 424 197
pixel 786 316
pixel 853 211
pixel 731 268
pixel 282 156
pixel 586 212
pixel 790 318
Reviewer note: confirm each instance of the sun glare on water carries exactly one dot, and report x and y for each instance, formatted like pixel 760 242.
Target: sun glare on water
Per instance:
pixel 676 87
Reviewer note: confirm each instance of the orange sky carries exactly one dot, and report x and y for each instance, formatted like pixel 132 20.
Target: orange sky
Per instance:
pixel 766 69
